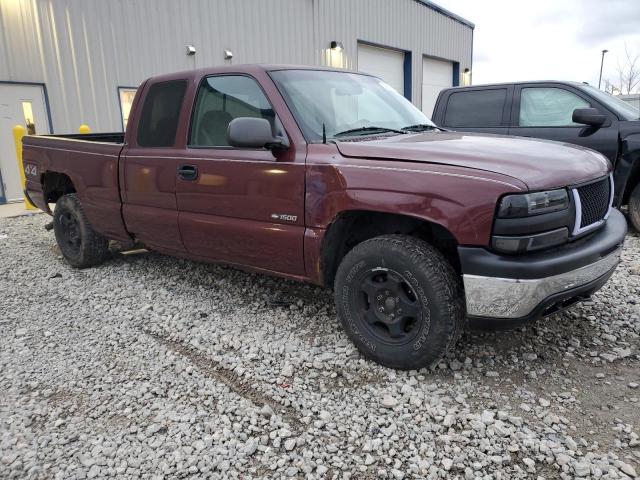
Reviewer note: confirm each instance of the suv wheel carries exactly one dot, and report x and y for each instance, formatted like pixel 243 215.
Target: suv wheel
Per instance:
pixel 399 301
pixel 80 245
pixel 634 207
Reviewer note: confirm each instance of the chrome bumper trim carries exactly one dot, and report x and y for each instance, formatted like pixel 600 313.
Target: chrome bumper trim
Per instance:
pixel 515 298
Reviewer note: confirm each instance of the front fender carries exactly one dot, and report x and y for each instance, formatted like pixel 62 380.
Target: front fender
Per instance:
pixel 463 203
pixel 627 170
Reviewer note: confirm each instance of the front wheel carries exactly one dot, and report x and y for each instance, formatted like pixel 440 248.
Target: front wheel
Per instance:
pixel 634 207
pixel 400 301
pixel 79 243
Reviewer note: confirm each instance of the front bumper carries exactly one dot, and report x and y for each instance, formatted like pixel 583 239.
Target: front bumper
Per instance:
pixel 525 287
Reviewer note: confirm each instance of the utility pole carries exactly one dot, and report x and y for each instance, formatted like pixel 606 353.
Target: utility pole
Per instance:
pixel 601 64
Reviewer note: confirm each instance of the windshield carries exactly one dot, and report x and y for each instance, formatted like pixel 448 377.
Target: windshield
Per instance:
pixel 347 104
pixel 623 109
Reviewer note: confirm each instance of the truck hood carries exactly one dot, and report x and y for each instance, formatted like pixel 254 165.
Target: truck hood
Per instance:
pixel 540 164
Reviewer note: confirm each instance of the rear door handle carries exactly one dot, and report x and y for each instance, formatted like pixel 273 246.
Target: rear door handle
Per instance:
pixel 188 172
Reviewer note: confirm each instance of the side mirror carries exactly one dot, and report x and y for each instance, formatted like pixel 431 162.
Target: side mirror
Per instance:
pixel 251 132
pixel 588 116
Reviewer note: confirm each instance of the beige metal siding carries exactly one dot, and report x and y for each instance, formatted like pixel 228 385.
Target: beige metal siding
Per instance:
pixel 403 24
pixel 84 50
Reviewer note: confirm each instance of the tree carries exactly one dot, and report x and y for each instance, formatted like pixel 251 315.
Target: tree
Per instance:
pixel 629 71
pixel 610 87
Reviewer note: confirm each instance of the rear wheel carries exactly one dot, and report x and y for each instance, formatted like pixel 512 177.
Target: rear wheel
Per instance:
pixel 79 243
pixel 399 301
pixel 634 207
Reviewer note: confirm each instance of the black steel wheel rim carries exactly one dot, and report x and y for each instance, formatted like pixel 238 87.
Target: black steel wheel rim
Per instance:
pixel 70 231
pixel 390 309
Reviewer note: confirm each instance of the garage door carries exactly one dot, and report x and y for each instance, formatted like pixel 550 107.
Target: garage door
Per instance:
pixel 436 75
pixel 384 63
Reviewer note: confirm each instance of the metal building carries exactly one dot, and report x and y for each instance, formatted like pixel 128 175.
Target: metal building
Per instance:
pixel 64 63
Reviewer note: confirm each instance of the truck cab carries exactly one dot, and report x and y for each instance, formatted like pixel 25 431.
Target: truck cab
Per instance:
pixel 569 112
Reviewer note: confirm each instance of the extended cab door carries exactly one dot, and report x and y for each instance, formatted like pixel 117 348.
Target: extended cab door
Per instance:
pixel 237 205
pixel 481 109
pixel 543 110
pixel 148 173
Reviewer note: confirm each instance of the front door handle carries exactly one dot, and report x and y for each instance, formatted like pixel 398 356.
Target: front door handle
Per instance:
pixel 188 172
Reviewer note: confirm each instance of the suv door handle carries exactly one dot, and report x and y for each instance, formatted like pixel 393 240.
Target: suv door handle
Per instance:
pixel 188 172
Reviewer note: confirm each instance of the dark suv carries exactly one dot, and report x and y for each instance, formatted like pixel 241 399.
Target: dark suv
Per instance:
pixel 568 112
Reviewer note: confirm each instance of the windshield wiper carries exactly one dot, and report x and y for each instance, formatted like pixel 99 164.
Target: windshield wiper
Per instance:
pixel 370 128
pixel 419 127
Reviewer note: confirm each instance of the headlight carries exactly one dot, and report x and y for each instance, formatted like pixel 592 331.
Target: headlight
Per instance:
pixel 529 204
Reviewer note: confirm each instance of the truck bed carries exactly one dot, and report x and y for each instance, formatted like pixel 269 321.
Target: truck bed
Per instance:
pixel 110 137
pixel 90 161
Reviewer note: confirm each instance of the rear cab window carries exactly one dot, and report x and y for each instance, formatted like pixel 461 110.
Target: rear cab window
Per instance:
pixel 475 108
pixel 161 114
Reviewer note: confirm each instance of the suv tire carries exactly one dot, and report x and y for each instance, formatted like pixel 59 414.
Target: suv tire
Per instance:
pixel 634 207
pixel 79 243
pixel 400 301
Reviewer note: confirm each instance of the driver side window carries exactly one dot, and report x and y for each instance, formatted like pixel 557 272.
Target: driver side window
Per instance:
pixel 549 107
pixel 222 99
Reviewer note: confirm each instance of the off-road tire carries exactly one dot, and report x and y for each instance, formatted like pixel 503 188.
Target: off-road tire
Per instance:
pixel 79 243
pixel 436 289
pixel 634 208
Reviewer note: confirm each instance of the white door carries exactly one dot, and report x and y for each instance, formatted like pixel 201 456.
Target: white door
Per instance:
pixel 19 105
pixel 436 75
pixel 384 63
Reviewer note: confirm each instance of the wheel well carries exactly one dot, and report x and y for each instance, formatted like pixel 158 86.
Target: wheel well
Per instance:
pixel 354 227
pixel 55 185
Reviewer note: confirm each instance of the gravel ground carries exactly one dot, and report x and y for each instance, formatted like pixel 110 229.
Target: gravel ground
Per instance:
pixel 154 367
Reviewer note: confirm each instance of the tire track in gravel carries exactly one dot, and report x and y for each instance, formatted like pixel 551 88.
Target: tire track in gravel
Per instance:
pixel 216 371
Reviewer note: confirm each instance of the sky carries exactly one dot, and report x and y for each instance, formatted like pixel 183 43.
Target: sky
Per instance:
pixel 549 40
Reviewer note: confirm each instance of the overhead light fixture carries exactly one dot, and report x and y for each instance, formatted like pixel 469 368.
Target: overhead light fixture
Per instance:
pixel 228 54
pixel 335 54
pixel 466 77
pixel 191 50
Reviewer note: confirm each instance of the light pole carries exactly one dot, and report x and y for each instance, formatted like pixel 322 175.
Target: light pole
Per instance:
pixel 601 64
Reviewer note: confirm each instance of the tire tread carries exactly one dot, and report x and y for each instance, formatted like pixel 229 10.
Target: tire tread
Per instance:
pixel 95 247
pixel 442 278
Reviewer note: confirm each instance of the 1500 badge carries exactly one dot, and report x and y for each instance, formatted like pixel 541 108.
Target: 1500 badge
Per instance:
pixel 284 217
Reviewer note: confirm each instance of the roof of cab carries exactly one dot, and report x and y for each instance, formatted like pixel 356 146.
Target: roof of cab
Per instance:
pixel 249 68
pixel 505 84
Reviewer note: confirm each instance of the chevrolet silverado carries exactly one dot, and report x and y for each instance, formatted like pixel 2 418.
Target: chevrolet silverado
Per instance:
pixel 331 177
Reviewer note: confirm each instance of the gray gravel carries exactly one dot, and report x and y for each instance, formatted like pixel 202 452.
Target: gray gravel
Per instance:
pixel 154 367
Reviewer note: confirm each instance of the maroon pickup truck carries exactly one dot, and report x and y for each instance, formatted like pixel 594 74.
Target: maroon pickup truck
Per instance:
pixel 333 178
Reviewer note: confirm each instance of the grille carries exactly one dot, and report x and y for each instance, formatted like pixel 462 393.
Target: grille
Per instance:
pixel 594 200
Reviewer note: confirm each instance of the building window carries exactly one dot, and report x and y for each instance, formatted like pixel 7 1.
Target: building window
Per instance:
pixel 126 95
pixel 27 111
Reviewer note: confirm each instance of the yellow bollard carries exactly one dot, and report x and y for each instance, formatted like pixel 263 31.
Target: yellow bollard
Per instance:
pixel 84 128
pixel 19 132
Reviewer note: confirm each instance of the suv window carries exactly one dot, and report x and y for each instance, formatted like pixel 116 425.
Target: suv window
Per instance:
pixel 548 107
pixel 477 108
pixel 160 114
pixel 220 100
